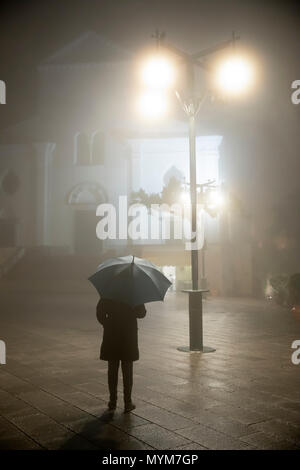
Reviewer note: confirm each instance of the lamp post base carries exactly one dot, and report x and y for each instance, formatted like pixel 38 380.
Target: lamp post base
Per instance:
pixel 195 323
pixel 206 349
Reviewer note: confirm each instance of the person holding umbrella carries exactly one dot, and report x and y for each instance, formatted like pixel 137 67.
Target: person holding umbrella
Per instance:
pixel 119 345
pixel 125 284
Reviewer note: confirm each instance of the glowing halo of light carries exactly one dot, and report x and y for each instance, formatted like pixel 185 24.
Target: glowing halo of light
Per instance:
pixel 185 197
pixel 234 75
pixel 152 104
pixel 157 72
pixel 216 199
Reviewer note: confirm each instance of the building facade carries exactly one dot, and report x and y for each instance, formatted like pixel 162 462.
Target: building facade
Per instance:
pixel 86 147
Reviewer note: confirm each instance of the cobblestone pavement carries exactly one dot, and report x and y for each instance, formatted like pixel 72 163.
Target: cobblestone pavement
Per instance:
pixel 53 391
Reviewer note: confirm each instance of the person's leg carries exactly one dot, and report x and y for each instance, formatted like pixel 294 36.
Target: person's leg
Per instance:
pixel 127 371
pixel 113 369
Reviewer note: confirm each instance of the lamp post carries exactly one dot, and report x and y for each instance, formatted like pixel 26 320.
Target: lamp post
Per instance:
pixel 196 295
pixel 210 184
pixel 191 104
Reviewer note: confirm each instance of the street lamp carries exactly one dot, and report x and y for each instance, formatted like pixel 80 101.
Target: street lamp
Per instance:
pixel 216 199
pixel 233 76
pixel 158 75
pixel 158 72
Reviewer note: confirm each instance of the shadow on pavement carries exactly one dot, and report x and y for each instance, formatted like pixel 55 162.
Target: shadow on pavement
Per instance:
pixel 96 433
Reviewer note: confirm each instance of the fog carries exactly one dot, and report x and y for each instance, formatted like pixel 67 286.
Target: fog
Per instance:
pixel 71 139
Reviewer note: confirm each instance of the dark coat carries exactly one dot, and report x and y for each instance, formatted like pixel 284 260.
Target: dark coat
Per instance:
pixel 120 336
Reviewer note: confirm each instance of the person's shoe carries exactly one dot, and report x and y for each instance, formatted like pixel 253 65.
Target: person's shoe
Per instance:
pixel 112 405
pixel 129 407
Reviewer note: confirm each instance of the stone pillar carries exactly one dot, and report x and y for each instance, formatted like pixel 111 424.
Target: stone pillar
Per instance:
pixel 43 159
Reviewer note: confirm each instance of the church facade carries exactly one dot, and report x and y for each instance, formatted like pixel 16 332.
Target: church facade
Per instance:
pixel 85 147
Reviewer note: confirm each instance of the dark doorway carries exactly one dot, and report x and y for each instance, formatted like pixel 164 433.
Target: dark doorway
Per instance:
pixel 7 232
pixel 86 240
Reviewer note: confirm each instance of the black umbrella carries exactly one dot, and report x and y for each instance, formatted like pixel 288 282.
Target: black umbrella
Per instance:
pixel 131 280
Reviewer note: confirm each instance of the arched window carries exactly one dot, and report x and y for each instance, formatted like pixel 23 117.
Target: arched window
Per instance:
pixel 87 193
pixel 98 148
pixel 81 149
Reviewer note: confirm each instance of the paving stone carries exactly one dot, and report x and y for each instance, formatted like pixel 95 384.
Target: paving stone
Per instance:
pixel 242 415
pixel 158 437
pixel 66 414
pixel 223 424
pixel 133 444
pixel 279 428
pixel 85 402
pixel 266 442
pixel 40 400
pixel 182 408
pixel 58 389
pixel 13 438
pixel 100 433
pixel 291 405
pixel 161 417
pixel 69 441
pixel 13 407
pixel 191 446
pixel 94 388
pixel 41 428
pixel 127 421
pixel 14 385
pixel 212 439
pixel 19 444
pixel 286 415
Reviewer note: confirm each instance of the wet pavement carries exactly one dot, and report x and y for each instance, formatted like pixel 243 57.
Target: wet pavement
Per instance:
pixel 53 391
